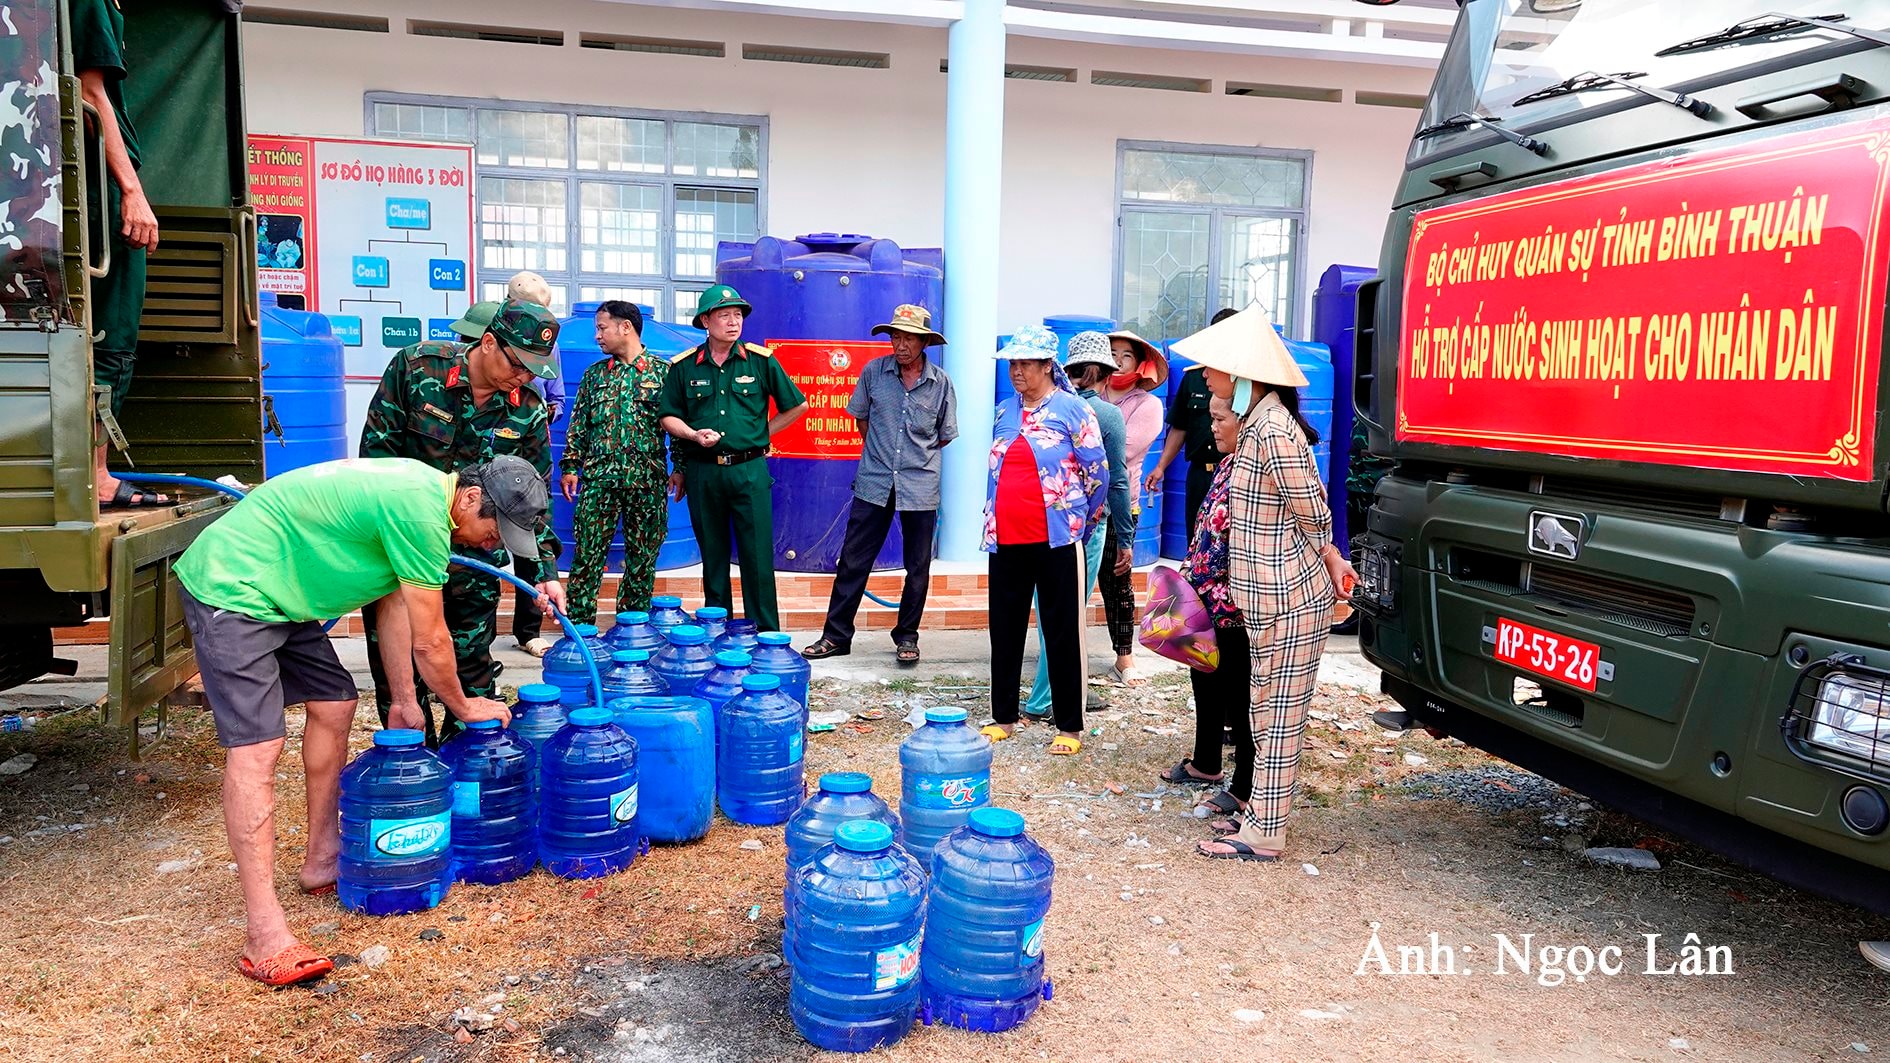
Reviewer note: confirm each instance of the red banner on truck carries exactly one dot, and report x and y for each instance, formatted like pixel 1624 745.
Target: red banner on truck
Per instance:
pixel 1722 310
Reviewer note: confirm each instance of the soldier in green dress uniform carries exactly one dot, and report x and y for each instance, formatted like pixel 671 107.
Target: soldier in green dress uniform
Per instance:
pixel 715 404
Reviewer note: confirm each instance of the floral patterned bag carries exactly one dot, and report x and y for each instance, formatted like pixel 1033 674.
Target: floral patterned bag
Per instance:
pixel 1176 624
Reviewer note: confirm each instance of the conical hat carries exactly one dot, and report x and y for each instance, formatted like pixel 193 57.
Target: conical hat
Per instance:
pixel 1245 346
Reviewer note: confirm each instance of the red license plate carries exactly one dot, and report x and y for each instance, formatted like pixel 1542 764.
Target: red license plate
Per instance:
pixel 1547 654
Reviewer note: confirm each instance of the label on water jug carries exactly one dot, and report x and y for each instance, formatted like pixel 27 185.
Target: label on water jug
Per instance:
pixel 895 966
pixel 466 798
pixel 965 792
pixel 1033 940
pixel 795 743
pixel 623 804
pixel 403 838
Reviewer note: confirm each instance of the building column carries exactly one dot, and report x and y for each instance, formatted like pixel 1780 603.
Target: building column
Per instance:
pixel 974 158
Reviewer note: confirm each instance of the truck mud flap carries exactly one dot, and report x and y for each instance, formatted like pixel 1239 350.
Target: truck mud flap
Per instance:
pixel 151 655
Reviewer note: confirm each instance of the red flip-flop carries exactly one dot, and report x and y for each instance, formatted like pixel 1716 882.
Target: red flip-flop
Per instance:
pixel 319 891
pixel 295 964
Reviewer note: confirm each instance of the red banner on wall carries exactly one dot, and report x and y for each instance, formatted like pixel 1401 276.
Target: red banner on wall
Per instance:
pixel 1723 310
pixel 826 371
pixel 282 189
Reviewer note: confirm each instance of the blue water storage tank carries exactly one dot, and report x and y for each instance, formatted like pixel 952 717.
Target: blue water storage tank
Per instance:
pixel 396 827
pixel 676 764
pixel 1175 480
pixel 857 916
pixel 1315 399
pixel 824 286
pixel 1334 321
pixel 981 966
pixel 1148 528
pixel 578 351
pixel 305 389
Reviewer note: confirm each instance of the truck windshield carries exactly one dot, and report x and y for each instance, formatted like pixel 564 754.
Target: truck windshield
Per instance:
pixel 1504 54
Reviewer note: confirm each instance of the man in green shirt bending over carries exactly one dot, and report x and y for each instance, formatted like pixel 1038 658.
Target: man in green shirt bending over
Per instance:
pixel 306 546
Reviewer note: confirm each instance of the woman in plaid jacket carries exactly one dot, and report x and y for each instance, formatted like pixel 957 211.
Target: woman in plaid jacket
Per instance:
pixel 1283 571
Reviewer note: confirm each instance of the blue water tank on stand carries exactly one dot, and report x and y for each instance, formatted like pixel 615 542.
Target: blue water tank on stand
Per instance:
pixel 305 389
pixel 1315 399
pixel 1334 320
pixel 825 286
pixel 578 351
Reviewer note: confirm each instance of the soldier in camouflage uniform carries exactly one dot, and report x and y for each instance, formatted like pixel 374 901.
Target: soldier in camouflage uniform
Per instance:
pixel 452 405
pixel 616 446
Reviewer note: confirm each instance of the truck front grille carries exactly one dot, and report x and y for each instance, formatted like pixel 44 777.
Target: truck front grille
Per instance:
pixel 1656 610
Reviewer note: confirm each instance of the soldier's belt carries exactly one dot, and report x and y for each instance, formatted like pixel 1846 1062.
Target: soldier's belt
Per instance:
pixel 735 457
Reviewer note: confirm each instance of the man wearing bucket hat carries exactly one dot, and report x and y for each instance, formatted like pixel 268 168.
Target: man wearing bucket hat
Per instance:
pixel 907 412
pixel 715 404
pixel 1283 572
pixel 450 406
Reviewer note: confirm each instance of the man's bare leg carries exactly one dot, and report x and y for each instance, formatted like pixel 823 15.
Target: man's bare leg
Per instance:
pixel 324 749
pixel 249 815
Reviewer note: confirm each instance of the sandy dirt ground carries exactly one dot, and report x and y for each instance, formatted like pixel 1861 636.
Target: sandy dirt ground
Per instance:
pixel 124 920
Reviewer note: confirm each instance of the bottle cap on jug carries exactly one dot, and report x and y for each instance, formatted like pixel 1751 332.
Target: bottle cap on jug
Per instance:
pixel 538 693
pixel 734 659
pixel 846 782
pixel 399 737
pixel 712 612
pixel 483 725
pixel 633 617
pixel 863 836
pixel 761 682
pixel 773 638
pixel 666 601
pixel 996 822
pixel 588 716
pixel 587 631
pixel 630 656
pixel 945 715
pixel 686 635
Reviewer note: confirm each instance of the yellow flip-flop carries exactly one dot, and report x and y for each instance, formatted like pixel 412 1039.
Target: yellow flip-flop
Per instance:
pixel 994 732
pixel 1065 746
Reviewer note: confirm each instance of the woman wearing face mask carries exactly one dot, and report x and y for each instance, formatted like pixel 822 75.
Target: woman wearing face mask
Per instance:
pixel 1140 370
pixel 1283 572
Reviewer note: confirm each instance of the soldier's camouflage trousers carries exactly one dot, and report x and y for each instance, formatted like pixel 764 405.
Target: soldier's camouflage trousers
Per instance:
pixel 640 506
pixel 472 615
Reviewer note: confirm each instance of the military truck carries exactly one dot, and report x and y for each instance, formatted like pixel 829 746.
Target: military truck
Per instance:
pixel 1624 351
pixel 196 403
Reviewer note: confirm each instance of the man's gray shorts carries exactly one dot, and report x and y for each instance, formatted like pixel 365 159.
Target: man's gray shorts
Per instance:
pixel 252 669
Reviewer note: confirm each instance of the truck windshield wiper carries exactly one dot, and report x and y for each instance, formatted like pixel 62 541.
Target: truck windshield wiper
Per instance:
pixel 1465 119
pixel 1591 80
pixel 1771 25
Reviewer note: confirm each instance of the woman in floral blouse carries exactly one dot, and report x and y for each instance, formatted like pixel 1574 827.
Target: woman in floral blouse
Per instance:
pixel 1045 495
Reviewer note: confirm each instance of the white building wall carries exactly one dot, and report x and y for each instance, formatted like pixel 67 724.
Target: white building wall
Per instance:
pixel 862 150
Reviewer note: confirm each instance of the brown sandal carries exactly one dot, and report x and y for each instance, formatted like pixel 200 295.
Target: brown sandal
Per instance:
pixel 825 648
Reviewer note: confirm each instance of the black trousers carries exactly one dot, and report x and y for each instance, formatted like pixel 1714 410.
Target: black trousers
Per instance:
pixel 867 527
pixel 1056 577
pixel 1118 598
pixel 1221 700
pixel 528 620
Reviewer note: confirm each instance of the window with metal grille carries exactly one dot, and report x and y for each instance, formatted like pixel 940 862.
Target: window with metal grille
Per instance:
pixel 606 203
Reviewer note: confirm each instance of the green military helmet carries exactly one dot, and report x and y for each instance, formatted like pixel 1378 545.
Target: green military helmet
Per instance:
pixel 476 320
pixel 717 297
pixel 532 334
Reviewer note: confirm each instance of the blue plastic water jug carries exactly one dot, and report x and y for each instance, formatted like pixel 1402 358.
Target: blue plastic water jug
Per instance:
pixel 685 660
pixel 630 676
pixel 565 668
pixel 724 681
pixel 945 772
pixel 587 821
pixel 632 631
pixel 981 967
pixel 856 920
pixel 841 797
pixel 741 635
pixel 666 612
pixel 396 827
pixel 495 804
pixel 759 742
pixel 675 764
pixel 714 620
pixel 539 714
pixel 774 655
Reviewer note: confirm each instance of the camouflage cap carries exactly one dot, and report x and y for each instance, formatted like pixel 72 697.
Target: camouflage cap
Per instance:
pixel 532 334
pixel 476 320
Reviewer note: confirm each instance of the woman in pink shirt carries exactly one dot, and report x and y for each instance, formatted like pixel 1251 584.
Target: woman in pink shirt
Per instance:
pixel 1141 370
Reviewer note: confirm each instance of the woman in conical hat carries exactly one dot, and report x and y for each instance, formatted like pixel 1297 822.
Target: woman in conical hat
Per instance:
pixel 1283 571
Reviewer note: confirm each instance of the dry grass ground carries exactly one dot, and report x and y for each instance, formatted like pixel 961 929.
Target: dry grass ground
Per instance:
pixel 1152 949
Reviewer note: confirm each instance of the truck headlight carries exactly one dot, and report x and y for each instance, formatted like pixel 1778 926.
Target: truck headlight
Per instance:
pixel 1852 716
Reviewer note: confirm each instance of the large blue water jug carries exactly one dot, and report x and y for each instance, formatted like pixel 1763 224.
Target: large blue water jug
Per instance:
pixel 759 739
pixel 981 967
pixel 587 820
pixel 774 655
pixel 631 676
pixel 632 631
pixel 712 619
pixel 741 635
pixel 685 658
pixel 396 827
pixel 539 714
pixel 724 681
pixel 303 368
pixel 841 797
pixel 495 803
pixel 856 920
pixel 666 612
pixel 565 667
pixel 945 772
pixel 675 764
